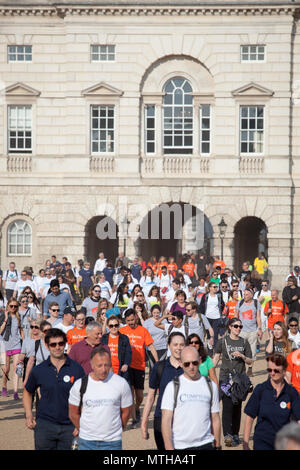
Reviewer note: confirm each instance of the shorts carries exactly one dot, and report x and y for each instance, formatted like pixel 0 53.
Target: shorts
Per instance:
pixel 137 378
pixel 12 352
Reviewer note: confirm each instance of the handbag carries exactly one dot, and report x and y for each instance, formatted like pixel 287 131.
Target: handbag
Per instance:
pixel 240 383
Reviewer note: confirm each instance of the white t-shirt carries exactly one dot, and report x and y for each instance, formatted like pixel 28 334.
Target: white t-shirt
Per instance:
pixel 10 278
pixel 295 338
pixel 20 286
pixel 101 417
pixel 212 309
pixel 105 289
pixel 99 265
pixel 192 412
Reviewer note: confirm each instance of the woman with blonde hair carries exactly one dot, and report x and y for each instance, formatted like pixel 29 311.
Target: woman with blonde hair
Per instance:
pixel 13 334
pixel 279 342
pixel 28 345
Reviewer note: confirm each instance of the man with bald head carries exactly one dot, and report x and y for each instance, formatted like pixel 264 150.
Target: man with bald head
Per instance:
pixel 192 405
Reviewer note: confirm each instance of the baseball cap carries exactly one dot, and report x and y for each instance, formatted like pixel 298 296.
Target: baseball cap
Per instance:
pixel 70 310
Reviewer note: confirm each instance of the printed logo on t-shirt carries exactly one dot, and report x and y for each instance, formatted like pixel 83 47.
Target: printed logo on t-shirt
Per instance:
pixel 248 314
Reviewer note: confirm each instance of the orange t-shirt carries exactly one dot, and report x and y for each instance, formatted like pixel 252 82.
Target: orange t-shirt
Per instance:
pixel 164 263
pixel 172 268
pixel 113 344
pixel 278 312
pixel 139 339
pixel 189 269
pixel 220 263
pixel 75 335
pixel 294 368
pixel 153 266
pixel 230 308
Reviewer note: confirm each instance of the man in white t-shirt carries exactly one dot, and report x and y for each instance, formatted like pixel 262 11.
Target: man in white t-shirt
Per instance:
pixel 106 405
pixel 294 333
pixel 10 278
pixel 100 264
pixel 22 283
pixel 195 409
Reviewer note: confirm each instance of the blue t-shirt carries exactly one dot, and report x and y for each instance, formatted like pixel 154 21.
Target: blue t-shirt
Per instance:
pixel 55 388
pixel 136 271
pixel 272 412
pixel 109 274
pixel 86 275
pixel 169 372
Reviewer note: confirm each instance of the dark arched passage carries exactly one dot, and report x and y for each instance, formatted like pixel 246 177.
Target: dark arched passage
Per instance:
pixel 161 231
pixel 101 234
pixel 250 238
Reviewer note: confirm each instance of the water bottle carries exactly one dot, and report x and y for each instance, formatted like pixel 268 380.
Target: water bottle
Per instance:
pixel 19 369
pixel 74 445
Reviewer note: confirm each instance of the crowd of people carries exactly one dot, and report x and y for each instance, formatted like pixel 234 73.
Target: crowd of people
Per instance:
pixel 78 341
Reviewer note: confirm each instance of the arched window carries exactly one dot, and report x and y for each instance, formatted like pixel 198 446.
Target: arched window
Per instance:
pixel 19 238
pixel 178 117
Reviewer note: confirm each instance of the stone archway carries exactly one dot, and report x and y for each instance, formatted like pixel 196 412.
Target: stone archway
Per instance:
pixel 171 229
pixel 250 238
pixel 103 237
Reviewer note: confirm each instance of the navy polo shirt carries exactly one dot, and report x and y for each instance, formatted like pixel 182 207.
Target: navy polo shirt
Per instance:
pixel 55 388
pixel 169 372
pixel 272 412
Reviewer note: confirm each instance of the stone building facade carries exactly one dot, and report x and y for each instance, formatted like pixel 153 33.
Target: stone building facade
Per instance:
pixel 113 109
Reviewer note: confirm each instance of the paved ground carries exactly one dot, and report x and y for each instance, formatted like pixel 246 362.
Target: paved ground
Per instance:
pixel 15 436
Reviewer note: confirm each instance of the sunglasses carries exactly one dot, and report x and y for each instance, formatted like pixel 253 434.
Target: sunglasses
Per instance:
pixel 55 309
pixel 276 371
pixel 238 326
pixel 14 306
pixel 114 325
pixel 24 301
pixel 97 291
pixel 294 325
pixel 58 343
pixel 33 327
pixel 45 331
pixel 194 342
pixel 187 364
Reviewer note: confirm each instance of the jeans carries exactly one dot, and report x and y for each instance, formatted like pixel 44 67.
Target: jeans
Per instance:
pixel 52 436
pixel 83 444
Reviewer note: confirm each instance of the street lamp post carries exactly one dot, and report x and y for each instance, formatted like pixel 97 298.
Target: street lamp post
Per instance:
pixel 222 230
pixel 125 223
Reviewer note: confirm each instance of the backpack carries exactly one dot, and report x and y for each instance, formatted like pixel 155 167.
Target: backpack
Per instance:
pixel 176 383
pixel 201 323
pixel 38 345
pixel 186 329
pixel 243 300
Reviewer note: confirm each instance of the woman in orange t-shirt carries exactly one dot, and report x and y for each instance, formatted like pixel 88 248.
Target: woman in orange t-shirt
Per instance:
pixel 172 267
pixel 78 333
pixel 161 262
pixel 120 349
pixel 190 269
pixel 229 309
pixel 153 264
